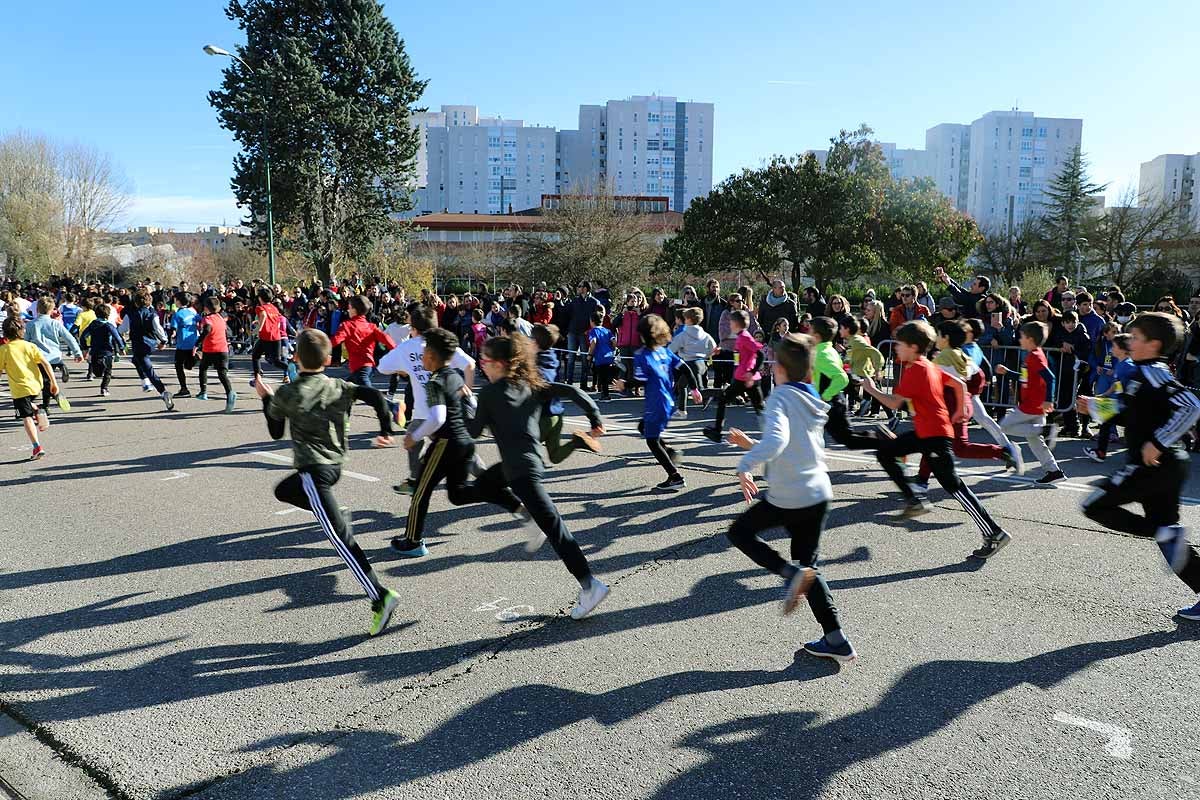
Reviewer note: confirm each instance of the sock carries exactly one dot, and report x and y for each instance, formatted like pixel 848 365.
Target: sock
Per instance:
pixel 836 638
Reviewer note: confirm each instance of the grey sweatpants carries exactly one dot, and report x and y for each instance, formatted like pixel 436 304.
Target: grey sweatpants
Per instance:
pixel 1018 423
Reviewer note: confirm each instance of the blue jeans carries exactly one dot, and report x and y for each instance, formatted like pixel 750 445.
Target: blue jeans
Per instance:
pixel 362 377
pixel 577 345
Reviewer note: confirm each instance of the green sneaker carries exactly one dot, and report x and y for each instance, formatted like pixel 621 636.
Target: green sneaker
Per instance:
pixel 383 613
pixel 63 402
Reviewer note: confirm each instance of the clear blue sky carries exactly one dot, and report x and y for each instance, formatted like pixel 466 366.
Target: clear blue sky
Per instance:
pixel 785 75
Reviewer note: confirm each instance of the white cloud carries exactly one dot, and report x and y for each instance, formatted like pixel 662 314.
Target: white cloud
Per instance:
pixel 183 212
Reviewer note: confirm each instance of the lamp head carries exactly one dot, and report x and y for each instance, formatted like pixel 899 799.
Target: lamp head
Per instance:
pixel 213 50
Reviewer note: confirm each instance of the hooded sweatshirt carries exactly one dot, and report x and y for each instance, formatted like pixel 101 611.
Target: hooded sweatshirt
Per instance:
pixel 865 361
pixel 792 447
pixel 693 343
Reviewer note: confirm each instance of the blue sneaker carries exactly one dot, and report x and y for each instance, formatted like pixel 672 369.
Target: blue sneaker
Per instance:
pixel 1192 613
pixel 230 402
pixel 202 396
pixel 842 653
pixel 401 546
pixel 1174 546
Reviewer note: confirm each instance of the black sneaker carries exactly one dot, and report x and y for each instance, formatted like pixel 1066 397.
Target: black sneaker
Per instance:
pixel 671 484
pixel 183 393
pixel 1094 454
pixel 712 434
pixel 992 545
pixel 1051 478
pixel 408 487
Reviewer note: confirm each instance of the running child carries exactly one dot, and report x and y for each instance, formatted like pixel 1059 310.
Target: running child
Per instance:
pixel 213 344
pixel 318 408
pixel 101 342
pixel 921 388
pixel 360 336
pixel 269 332
pixel 979 411
pixel 544 337
pixel 792 449
pixel 1037 395
pixel 23 362
pixel 186 324
pixel 829 376
pixel 863 359
pixel 954 362
pixel 510 406
pixel 1156 411
pixel 1120 369
pixel 146 335
pixel 51 336
pixel 694 346
pixel 655 366
pixel 746 376
pixel 600 352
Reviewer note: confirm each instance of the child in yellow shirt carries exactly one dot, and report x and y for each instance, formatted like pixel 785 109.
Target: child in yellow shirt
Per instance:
pixel 21 361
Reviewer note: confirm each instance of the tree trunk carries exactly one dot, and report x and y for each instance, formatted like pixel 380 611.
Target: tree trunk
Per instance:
pixel 324 267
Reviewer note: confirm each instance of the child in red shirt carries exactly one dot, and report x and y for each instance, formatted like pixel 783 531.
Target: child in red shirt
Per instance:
pixel 360 336
pixel 1028 419
pixel 214 351
pixel 921 388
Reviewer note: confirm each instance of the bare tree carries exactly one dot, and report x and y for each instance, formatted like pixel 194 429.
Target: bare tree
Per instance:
pixel 30 205
pixel 587 237
pixel 1136 237
pixel 1006 256
pixel 95 197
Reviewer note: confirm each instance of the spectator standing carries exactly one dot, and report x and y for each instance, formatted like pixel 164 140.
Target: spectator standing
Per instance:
pixel 777 304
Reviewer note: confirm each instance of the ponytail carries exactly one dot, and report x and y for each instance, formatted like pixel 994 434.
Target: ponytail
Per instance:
pixel 518 351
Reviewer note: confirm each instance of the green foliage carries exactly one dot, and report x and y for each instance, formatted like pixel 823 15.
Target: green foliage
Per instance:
pixel 1152 284
pixel 1034 283
pixel 1065 212
pixel 845 220
pixel 334 82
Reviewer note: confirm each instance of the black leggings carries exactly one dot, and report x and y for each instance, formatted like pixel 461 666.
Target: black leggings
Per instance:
pixel 805 526
pixel 101 367
pixel 185 359
pixel 446 460
pixel 688 378
pixel 221 362
pixel 736 389
pixel 1157 489
pixel 664 455
pixel 837 425
pixel 312 489
pixel 268 350
pixel 939 450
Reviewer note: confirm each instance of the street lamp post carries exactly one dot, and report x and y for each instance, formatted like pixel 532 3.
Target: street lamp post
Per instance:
pixel 1080 243
pixel 213 50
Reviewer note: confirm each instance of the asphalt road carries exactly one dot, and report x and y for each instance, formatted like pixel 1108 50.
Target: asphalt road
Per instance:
pixel 167 629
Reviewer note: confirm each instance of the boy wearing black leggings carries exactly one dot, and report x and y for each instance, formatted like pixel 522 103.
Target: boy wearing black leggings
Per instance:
pixel 213 344
pixel 792 449
pixel 318 408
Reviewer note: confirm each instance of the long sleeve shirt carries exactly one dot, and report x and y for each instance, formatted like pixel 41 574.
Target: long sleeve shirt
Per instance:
pixel 51 337
pixel 101 339
pixel 1153 406
pixel 828 372
pixel 360 336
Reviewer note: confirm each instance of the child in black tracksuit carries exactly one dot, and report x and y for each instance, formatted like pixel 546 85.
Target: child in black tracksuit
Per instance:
pixel 511 406
pixel 1157 411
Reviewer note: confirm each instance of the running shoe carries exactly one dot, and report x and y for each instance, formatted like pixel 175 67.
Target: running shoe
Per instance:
pixel 383 612
pixel 992 545
pixel 841 653
pixel 797 587
pixel 1013 459
pixel 712 434
pixel 921 488
pixel 1094 454
pixel 1192 612
pixel 202 396
pixel 89 378
pixel 1172 541
pixel 167 401
pixel 917 507
pixel 588 441
pixel 679 413
pixel 230 402
pixel 404 548
pixel 671 484
pixel 589 598
pixel 1051 478
pixel 672 455
pixel 63 402
pixel 145 386
pixel 408 487
pixel 105 393
pixel 38 452
pixel 536 537
pixel 864 408
pixel 182 393
pixel 397 418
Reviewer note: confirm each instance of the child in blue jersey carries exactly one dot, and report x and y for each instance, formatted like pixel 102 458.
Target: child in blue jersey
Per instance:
pixel 1122 367
pixel 600 351
pixel 186 324
pixel 655 365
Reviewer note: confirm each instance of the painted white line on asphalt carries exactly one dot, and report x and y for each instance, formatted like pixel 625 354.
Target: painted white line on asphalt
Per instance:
pixel 176 475
pixel 1118 744
pixel 287 511
pixel 288 460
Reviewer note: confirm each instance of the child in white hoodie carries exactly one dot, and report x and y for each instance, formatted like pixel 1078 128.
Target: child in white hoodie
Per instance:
pixel 792 448
pixel 694 346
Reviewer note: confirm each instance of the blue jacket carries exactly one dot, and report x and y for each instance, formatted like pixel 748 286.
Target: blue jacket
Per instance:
pixel 547 364
pixel 51 336
pixel 101 339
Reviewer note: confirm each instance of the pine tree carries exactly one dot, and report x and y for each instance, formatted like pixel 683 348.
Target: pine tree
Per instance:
pixel 1064 213
pixel 329 91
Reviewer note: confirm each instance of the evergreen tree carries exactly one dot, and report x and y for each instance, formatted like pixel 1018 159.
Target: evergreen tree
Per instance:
pixel 1064 212
pixel 329 91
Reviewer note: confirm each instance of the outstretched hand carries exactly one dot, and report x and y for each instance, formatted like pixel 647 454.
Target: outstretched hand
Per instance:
pixel 749 487
pixel 738 438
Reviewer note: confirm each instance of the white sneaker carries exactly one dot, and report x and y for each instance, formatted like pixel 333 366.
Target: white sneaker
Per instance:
pixel 145 386
pixel 167 401
pixel 589 598
pixel 536 537
pixel 679 413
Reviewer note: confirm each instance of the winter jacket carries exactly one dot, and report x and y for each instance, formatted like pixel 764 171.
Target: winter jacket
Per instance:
pixel 792 447
pixel 692 343
pixel 725 335
pixel 898 316
pixel 770 312
pixel 626 325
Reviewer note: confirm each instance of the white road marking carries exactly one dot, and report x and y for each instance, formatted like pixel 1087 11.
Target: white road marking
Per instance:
pixel 1118 744
pixel 288 460
pixel 175 476
pixel 508 614
pixel 287 511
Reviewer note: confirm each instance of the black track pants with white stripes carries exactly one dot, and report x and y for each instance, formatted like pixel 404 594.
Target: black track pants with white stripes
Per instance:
pixel 312 489
pixel 940 452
